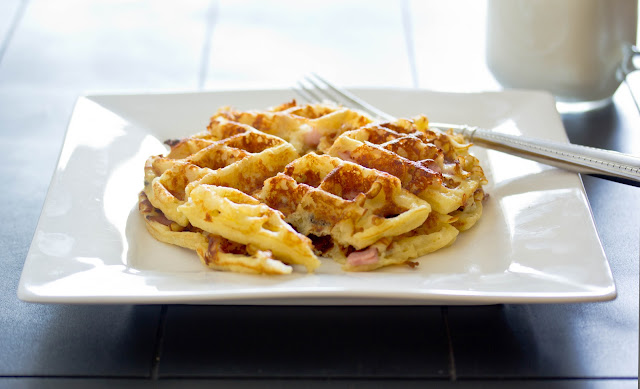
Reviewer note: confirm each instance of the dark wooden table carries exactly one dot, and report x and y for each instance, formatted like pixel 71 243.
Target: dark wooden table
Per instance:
pixel 53 52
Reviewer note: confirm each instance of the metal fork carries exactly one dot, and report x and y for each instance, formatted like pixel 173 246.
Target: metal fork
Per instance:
pixel 612 165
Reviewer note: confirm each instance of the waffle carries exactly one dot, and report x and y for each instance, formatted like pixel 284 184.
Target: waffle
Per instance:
pixel 262 191
pixel 433 165
pixel 308 128
pixel 242 219
pixel 213 250
pixel 321 195
pixel 224 172
pixel 435 233
pixel 241 161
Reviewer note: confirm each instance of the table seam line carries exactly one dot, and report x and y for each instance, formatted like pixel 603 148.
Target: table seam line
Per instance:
pixel 633 94
pixel 450 353
pixel 211 18
pixel 407 27
pixel 335 377
pixel 159 345
pixel 15 21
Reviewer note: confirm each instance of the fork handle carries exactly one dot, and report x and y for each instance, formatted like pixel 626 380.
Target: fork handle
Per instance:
pixel 581 159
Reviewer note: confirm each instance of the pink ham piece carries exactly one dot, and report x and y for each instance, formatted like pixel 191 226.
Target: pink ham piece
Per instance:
pixel 364 257
pixel 312 138
pixel 431 164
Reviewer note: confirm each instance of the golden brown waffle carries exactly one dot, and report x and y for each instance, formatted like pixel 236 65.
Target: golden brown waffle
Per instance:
pixel 242 161
pixel 435 166
pixel 242 219
pixel 321 195
pixel 232 168
pixel 435 233
pixel 307 128
pixel 371 220
pixel 213 250
pixel 365 194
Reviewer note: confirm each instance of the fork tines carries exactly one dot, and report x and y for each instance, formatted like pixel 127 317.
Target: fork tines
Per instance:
pixel 316 89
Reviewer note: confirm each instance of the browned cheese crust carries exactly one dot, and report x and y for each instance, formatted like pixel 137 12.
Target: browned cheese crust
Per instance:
pixel 263 191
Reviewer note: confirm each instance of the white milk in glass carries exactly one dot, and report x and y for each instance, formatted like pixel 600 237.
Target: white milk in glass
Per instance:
pixel 571 48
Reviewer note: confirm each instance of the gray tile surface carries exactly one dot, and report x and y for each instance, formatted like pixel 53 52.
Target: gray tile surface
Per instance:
pixel 304 342
pixel 570 340
pixel 542 341
pixel 84 341
pixel 312 384
pixel 573 340
pixel 75 46
pixel 54 340
pixel 57 51
pixel 10 11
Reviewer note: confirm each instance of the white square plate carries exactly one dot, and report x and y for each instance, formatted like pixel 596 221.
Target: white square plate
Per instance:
pixel 536 241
